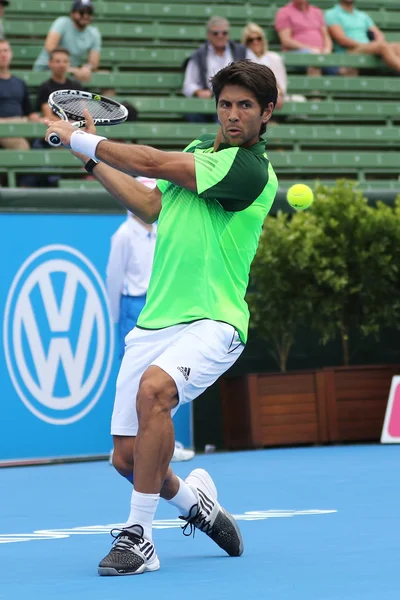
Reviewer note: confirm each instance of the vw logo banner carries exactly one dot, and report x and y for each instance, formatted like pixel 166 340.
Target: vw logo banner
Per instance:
pixel 60 358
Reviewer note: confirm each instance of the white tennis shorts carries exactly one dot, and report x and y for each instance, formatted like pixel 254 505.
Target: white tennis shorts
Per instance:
pixel 193 354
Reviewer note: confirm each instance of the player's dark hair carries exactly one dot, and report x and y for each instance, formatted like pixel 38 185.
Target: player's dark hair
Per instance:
pixel 258 79
pixel 59 50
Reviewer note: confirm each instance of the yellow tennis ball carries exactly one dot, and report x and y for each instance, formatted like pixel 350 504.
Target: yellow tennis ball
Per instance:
pixel 300 196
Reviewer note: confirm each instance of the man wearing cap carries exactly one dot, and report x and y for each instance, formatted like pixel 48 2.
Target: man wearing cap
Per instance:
pixel 77 35
pixel 3 4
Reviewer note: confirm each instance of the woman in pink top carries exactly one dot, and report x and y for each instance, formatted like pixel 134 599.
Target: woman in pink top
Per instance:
pixel 301 28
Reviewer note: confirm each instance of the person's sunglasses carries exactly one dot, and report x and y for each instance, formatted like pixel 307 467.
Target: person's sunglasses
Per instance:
pixel 224 33
pixel 87 11
pixel 254 39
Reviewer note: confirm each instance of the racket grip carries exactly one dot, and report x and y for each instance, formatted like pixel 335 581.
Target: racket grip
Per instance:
pixel 54 140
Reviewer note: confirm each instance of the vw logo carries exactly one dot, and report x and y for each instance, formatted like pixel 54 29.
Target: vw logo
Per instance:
pixel 58 336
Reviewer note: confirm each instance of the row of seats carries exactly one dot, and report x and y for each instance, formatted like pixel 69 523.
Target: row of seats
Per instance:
pixel 288 136
pixel 92 184
pixel 233 10
pixel 152 40
pixel 337 164
pixel 327 87
pixel 117 57
pixel 126 30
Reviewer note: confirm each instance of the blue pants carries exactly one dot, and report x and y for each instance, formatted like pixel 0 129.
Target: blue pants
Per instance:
pixel 130 309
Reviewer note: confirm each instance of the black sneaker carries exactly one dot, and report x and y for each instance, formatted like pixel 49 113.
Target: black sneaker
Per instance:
pixel 209 516
pixel 131 554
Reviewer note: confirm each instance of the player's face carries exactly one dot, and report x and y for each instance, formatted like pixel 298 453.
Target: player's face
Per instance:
pixel 59 64
pixel 240 116
pixel 5 55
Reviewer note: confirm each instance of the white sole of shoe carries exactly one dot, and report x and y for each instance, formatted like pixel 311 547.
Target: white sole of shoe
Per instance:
pixel 153 565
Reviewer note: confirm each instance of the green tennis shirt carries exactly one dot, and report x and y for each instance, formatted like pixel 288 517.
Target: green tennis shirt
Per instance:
pixel 207 240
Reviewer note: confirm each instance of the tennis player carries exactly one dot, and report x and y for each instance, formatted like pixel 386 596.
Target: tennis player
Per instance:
pixel 210 202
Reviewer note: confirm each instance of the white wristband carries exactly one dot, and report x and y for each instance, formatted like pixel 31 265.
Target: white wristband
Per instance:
pixel 85 143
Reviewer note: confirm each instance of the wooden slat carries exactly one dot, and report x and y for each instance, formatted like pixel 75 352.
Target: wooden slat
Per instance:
pixel 272 410
pixel 364 430
pixel 254 405
pixel 275 384
pixel 279 399
pixel 289 434
pixel 322 412
pixel 362 410
pixel 290 419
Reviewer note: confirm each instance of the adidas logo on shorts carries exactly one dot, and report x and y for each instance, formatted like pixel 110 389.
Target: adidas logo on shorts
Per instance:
pixel 185 371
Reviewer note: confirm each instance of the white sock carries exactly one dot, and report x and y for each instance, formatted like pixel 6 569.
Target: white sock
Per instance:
pixel 143 509
pixel 184 499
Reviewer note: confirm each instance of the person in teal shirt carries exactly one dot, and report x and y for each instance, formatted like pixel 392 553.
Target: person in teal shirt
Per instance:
pixel 77 35
pixel 354 31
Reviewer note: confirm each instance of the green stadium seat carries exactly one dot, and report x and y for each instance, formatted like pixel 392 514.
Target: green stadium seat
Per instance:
pixel 174 57
pixel 150 11
pixel 339 111
pixel 256 10
pixel 80 184
pixel 284 184
pixel 160 30
pixel 329 87
pixel 290 165
pixel 177 134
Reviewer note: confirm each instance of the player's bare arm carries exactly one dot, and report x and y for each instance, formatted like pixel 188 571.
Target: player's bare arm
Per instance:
pixel 136 197
pixel 176 167
pixel 133 195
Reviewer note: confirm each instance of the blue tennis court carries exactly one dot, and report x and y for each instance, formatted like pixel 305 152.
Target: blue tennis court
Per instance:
pixel 318 524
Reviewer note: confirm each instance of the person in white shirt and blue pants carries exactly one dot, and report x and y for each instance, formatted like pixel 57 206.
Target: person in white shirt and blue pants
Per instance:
pixel 127 277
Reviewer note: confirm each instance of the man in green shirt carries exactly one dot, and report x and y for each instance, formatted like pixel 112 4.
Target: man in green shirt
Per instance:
pixel 354 31
pixel 210 202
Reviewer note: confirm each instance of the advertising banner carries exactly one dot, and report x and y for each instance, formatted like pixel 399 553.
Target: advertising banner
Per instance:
pixel 60 353
pixel 391 425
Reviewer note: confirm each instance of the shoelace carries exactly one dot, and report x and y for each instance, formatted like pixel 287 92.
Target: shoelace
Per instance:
pixel 126 540
pixel 197 522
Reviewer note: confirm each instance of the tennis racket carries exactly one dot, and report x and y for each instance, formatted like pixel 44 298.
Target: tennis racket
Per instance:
pixel 70 104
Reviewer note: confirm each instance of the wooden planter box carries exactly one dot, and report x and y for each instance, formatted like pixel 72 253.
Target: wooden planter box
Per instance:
pixel 305 407
pixel 275 409
pixel 356 399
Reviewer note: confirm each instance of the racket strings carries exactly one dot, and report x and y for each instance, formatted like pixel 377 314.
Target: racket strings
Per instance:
pixel 97 108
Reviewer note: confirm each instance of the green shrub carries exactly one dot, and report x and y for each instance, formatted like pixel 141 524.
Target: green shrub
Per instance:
pixel 334 268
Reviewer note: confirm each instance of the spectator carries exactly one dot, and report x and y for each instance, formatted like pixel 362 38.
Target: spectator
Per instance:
pixel 3 4
pixel 253 38
pixel 79 37
pixel 128 274
pixel 301 28
pixel 59 65
pixel 217 52
pixel 129 269
pixel 15 105
pixel 352 30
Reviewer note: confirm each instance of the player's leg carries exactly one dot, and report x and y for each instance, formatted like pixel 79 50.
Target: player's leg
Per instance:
pixel 203 352
pixel 147 399
pixel 173 489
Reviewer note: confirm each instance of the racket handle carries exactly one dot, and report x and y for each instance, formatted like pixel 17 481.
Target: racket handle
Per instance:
pixel 54 140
